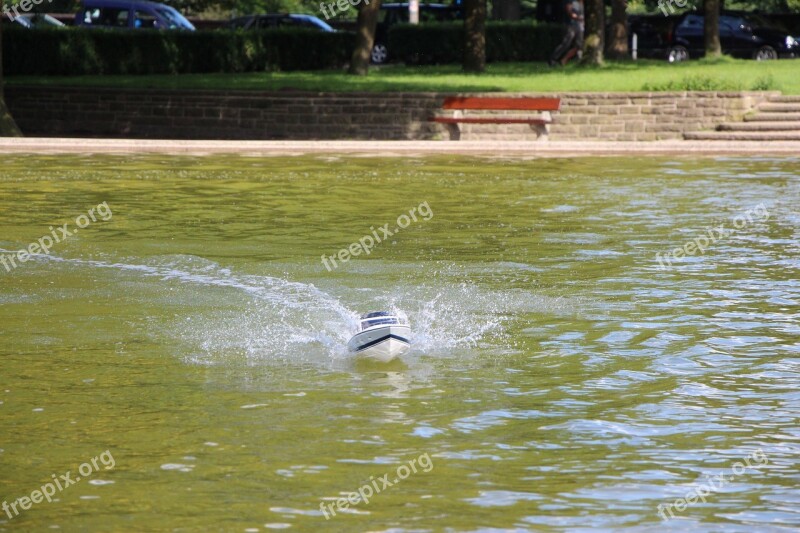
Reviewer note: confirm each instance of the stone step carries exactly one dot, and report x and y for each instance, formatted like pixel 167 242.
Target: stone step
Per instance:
pixel 795 98
pixel 772 117
pixel 759 126
pixel 741 136
pixel 773 107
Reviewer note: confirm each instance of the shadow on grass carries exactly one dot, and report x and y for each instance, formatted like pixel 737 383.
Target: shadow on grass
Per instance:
pixel 499 77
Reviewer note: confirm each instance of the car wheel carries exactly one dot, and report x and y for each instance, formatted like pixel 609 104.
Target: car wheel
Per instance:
pixel 677 54
pixel 380 53
pixel 765 53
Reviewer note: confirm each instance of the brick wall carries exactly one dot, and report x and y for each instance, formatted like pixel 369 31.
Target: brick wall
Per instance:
pixel 133 113
pixel 648 116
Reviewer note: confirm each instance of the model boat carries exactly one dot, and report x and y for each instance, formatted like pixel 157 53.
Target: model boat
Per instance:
pixel 381 336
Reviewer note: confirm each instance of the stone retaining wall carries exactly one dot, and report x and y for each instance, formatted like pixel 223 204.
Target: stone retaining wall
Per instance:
pixel 141 113
pixel 649 116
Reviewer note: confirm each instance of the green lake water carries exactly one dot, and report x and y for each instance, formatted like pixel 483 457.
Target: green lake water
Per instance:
pixel 560 377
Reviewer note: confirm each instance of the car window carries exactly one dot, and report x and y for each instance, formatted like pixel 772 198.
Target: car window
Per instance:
pixel 106 16
pixel 318 24
pixel 738 23
pixel 289 21
pixel 730 25
pixel 23 21
pixel 241 22
pixel 691 21
pixel 143 19
pixel 265 22
pixel 173 18
pixel 306 23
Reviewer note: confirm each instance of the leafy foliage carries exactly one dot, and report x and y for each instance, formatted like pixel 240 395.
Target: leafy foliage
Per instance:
pixel 93 51
pixel 708 83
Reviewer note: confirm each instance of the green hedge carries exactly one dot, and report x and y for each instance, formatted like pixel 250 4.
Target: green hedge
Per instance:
pixel 79 51
pixel 443 42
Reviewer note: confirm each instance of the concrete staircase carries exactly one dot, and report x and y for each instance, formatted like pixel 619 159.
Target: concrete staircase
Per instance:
pixel 777 119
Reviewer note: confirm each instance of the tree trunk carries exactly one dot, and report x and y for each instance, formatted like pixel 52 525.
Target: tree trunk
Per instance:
pixel 617 46
pixel 365 37
pixel 711 30
pixel 594 34
pixel 506 9
pixel 474 35
pixel 8 128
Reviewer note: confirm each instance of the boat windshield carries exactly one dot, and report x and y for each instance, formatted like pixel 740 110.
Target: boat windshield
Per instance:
pixel 365 324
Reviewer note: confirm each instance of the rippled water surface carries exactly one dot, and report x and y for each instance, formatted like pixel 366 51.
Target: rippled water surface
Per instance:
pixel 563 376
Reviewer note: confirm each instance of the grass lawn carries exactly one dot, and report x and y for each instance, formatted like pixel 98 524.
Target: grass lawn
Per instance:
pixel 721 74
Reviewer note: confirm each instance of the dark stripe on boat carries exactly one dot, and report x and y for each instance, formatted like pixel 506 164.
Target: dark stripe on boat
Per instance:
pixel 378 341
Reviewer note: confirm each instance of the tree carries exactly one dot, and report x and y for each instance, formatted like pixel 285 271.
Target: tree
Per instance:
pixel 617 45
pixel 711 29
pixel 474 36
pixel 8 128
pixel 594 35
pixel 365 36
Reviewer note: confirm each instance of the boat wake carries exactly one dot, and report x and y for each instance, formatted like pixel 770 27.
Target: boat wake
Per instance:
pixel 219 316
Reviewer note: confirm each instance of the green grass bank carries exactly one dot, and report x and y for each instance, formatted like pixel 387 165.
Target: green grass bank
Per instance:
pixel 717 75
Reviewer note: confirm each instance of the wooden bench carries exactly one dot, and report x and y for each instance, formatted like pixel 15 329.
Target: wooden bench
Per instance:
pixel 459 104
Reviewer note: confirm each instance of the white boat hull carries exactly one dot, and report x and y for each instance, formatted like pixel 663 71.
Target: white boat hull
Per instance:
pixel 381 343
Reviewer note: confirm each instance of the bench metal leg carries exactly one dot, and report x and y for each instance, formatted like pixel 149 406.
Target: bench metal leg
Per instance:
pixel 543 130
pixel 454 131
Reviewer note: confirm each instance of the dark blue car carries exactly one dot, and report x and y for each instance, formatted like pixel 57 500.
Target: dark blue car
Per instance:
pixel 130 14
pixel 742 35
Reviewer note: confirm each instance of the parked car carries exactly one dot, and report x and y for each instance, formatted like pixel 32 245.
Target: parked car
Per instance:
pixel 741 35
pixel 38 20
pixel 130 14
pixel 653 35
pixel 262 22
pixel 392 14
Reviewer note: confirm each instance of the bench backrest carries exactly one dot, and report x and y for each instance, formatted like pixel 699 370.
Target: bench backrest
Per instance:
pixel 506 104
